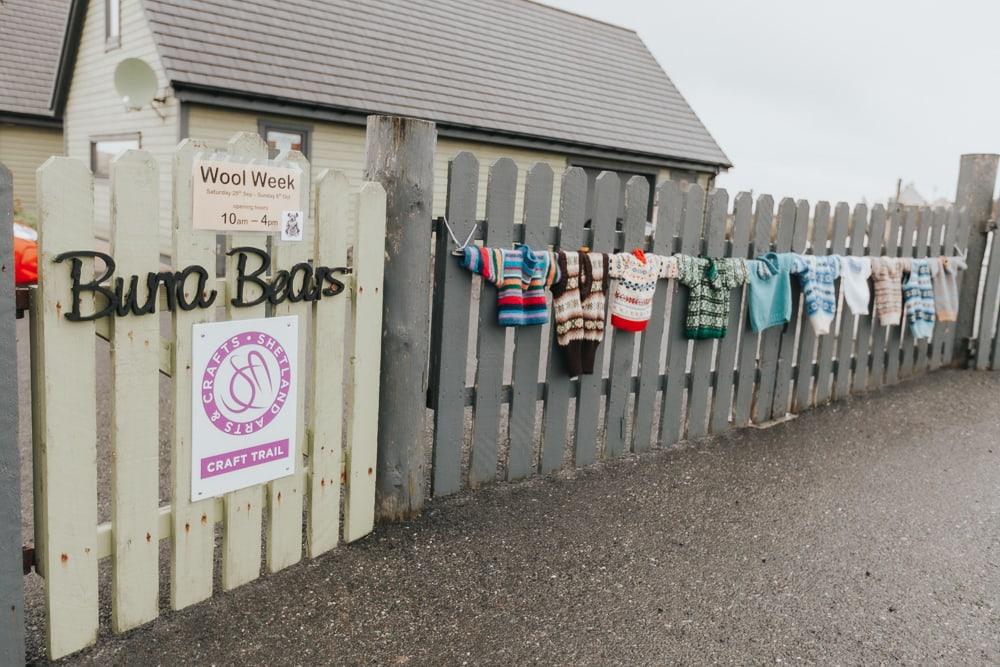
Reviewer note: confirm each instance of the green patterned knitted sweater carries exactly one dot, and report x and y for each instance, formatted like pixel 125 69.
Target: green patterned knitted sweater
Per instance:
pixel 709 282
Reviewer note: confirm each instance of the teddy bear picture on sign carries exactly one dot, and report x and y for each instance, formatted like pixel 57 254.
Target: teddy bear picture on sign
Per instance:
pixel 291 226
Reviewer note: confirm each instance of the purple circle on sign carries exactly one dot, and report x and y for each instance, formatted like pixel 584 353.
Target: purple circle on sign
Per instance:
pixel 245 383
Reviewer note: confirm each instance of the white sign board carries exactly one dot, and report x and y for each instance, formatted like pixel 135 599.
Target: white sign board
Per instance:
pixel 244 374
pixel 232 196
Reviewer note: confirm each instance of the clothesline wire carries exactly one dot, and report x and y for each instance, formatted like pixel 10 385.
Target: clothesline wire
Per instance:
pixel 460 246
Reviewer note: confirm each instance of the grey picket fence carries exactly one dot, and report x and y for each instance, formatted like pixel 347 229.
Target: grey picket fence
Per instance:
pixel 503 405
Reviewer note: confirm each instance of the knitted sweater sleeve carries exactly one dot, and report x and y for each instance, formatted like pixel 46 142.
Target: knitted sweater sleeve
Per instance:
pixel 487 262
pixel 618 264
pixel 687 274
pixel 668 265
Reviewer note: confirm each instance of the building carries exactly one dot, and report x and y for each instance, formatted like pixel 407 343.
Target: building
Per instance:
pixel 517 79
pixel 31 33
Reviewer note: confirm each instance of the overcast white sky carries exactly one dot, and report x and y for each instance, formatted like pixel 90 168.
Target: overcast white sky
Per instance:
pixel 831 100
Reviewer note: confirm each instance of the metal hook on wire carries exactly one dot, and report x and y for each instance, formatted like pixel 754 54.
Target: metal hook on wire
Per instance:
pixel 460 250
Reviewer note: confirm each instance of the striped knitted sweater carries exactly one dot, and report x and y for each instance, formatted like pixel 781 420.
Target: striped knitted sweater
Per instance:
pixel 887 274
pixel 816 274
pixel 918 298
pixel 709 282
pixel 521 276
pixel 637 273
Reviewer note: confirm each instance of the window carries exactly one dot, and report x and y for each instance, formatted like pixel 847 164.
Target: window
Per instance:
pixel 104 149
pixel 112 23
pixel 284 137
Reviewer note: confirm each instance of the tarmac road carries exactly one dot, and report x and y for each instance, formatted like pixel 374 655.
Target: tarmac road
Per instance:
pixel 862 532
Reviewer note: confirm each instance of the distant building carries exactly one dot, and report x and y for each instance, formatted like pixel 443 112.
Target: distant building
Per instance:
pixel 908 196
pixel 31 34
pixel 517 78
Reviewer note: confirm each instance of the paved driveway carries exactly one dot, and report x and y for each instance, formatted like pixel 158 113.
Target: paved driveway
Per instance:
pixel 862 532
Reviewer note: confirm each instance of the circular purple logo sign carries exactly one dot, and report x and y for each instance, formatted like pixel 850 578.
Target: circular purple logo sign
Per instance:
pixel 245 383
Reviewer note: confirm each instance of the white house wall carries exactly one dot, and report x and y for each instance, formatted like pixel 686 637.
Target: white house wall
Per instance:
pixel 94 109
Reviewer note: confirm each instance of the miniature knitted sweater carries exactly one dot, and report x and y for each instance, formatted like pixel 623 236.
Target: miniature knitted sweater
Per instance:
pixel 595 303
pixel 637 273
pixel 521 274
pixel 709 282
pixel 816 274
pixel 944 273
pixel 770 300
pixel 854 273
pixel 918 298
pixel 887 274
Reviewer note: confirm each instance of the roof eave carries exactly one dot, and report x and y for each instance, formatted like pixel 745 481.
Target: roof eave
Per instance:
pixel 211 95
pixel 67 56
pixel 30 119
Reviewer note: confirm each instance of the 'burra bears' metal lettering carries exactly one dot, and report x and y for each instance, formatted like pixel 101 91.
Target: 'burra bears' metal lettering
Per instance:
pixel 302 282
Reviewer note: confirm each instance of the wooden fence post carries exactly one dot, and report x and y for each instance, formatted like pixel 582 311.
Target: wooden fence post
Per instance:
pixel 977 177
pixel 11 578
pixel 399 154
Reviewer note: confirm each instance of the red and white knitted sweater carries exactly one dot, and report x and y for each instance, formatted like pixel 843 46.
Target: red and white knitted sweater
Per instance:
pixel 637 273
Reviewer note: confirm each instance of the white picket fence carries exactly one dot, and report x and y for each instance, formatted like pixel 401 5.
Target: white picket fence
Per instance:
pixel 69 540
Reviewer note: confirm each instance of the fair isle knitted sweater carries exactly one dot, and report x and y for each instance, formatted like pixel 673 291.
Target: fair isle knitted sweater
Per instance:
pixel 918 298
pixel 636 273
pixel 595 303
pixel 709 282
pixel 521 276
pixel 887 274
pixel 816 275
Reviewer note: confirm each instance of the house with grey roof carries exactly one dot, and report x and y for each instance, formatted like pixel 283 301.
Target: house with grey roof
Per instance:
pixel 31 35
pixel 517 78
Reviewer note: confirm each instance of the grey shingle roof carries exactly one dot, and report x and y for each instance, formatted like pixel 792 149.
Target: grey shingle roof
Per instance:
pixel 513 67
pixel 31 35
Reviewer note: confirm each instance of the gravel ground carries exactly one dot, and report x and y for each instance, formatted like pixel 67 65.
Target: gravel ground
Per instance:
pixel 863 532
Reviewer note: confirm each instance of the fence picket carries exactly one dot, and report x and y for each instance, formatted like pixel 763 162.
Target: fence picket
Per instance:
pixel 501 192
pixel 722 408
pixel 363 390
pixel 895 333
pixel 824 355
pixel 671 423
pixel 193 528
pixel 326 382
pixel 846 330
pixel 882 333
pixel 590 398
pixel 784 376
pixel 135 364
pixel 923 232
pixel 957 243
pixel 988 308
pixel 64 424
pixel 243 509
pixel 572 211
pixel 802 399
pixel 714 233
pixel 285 495
pixel 866 335
pixel 904 353
pixel 936 249
pixel 668 215
pixel 623 345
pixel 521 461
pixel 11 557
pixel 450 326
pixel 750 341
pixel 770 339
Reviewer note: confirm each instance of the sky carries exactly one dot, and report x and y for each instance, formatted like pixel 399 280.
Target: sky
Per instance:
pixel 830 100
